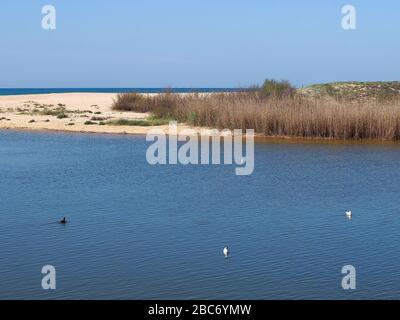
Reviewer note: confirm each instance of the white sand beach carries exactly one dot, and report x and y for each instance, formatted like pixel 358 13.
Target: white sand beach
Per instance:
pixel 42 112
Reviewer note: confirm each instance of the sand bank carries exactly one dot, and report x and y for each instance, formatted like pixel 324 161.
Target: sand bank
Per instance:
pixel 68 112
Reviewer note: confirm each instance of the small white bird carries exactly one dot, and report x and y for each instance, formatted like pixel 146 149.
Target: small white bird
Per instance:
pixel 349 214
pixel 226 251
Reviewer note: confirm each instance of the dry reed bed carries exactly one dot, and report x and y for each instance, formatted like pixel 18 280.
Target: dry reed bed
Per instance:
pixel 291 116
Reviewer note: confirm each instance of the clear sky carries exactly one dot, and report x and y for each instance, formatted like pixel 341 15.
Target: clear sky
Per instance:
pixel 182 43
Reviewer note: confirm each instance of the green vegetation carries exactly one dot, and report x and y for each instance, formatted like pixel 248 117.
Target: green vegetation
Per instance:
pixel 280 89
pixel 61 115
pixel 98 119
pixel 47 110
pixel 151 121
pixel 89 122
pixel 381 91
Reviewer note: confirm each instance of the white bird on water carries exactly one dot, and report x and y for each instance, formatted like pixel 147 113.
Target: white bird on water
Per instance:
pixel 349 214
pixel 226 251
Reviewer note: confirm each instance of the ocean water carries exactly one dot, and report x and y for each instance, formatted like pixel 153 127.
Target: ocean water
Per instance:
pixel 23 91
pixel 157 232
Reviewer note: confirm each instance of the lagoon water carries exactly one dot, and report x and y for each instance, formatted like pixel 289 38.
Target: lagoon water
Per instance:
pixel 157 232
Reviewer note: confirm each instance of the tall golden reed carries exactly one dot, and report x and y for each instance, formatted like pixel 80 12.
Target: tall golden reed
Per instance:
pixel 291 116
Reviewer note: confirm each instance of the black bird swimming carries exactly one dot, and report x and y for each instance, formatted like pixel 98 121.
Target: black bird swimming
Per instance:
pixel 63 221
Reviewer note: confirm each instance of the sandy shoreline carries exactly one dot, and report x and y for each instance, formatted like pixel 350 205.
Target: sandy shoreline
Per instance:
pixel 28 112
pixel 25 112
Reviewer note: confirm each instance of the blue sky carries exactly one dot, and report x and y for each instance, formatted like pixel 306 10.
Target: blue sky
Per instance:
pixel 206 43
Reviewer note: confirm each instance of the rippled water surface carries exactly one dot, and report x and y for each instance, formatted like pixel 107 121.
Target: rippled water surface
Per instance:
pixel 143 232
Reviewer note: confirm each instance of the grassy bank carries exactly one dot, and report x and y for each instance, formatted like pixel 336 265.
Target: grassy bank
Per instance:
pixel 380 91
pixel 275 109
pixel 148 122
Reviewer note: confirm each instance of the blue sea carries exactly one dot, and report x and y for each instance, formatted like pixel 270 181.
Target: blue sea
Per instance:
pixel 138 231
pixel 23 91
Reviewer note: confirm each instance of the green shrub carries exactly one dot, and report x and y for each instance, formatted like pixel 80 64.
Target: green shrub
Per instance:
pixel 61 115
pixel 98 119
pixel 277 89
